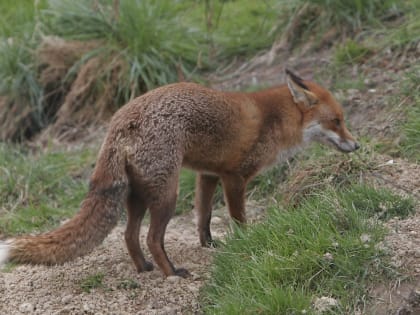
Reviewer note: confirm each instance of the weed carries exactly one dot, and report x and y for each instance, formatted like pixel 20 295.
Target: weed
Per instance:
pixel 128 284
pixel 92 282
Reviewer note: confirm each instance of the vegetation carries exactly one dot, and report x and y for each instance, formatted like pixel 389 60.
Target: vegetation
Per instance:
pixel 92 282
pixel 410 99
pixel 75 62
pixel 142 44
pixel 38 191
pixel 351 52
pixel 323 247
pixel 112 51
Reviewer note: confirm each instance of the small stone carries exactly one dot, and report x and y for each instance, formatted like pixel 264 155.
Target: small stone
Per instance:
pixel 67 299
pixel 365 238
pixel 173 279
pixel 195 276
pixel 26 308
pixel 216 220
pixel 328 256
pixel 324 304
pixel 87 307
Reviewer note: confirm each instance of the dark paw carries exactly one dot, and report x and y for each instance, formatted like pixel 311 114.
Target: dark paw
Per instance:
pixel 181 272
pixel 148 266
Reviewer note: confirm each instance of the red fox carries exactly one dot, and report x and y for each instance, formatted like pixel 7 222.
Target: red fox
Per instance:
pixel 226 136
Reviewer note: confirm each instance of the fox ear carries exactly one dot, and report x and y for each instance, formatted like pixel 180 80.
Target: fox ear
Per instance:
pixel 299 89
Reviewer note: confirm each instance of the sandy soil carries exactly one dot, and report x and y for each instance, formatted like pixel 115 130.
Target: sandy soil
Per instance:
pixel 58 289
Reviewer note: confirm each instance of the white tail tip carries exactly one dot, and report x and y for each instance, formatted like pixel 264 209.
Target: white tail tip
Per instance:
pixel 4 253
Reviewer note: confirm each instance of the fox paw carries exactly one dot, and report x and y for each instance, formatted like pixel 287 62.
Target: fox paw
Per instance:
pixel 182 272
pixel 148 266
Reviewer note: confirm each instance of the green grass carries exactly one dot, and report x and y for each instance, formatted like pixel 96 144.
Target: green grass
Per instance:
pixel 18 70
pixel 18 17
pixel 351 52
pixel 408 31
pixel 92 282
pixel 185 201
pixel 409 99
pixel 324 247
pixel 240 29
pixel 311 20
pixel 144 44
pixel 128 284
pixel 410 145
pixel 39 190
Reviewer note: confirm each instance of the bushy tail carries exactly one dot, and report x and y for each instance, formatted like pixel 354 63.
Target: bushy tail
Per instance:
pixel 98 215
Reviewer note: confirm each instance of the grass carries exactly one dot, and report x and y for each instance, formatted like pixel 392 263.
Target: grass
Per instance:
pixel 92 282
pixel 410 99
pixel 317 21
pixel 18 17
pixel 323 247
pixel 149 35
pixel 351 52
pixel 185 201
pixel 39 190
pixel 319 242
pixel 407 32
pixel 144 44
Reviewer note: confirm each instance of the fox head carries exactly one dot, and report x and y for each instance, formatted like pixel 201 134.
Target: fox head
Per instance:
pixel 323 119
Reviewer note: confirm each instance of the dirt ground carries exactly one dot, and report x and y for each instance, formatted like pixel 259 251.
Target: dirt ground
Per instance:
pixel 59 289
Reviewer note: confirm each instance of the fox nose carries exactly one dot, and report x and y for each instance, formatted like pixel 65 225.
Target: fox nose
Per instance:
pixel 356 145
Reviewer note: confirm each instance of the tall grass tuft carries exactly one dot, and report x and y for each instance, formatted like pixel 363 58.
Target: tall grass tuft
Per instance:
pixel 22 96
pixel 24 106
pixel 320 21
pixel 147 35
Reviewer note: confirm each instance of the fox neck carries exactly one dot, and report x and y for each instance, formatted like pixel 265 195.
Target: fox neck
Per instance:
pixel 286 119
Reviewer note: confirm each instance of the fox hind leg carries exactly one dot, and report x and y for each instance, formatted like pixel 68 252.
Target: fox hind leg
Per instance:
pixel 135 213
pixel 161 211
pixel 205 188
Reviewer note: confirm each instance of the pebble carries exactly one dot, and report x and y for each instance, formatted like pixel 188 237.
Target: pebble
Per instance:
pixel 67 299
pixel 216 220
pixel 173 279
pixel 324 304
pixel 26 307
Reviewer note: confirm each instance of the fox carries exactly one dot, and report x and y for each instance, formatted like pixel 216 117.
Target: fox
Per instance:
pixel 226 137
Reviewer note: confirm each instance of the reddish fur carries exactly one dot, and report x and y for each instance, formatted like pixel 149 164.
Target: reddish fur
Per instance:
pixel 222 135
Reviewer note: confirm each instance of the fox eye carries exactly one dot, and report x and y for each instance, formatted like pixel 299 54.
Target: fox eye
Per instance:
pixel 336 121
